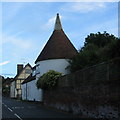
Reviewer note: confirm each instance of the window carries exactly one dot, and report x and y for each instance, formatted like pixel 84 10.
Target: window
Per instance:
pixel 27 71
pixel 37 69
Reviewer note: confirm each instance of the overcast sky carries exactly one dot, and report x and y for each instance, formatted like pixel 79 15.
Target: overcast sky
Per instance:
pixel 27 26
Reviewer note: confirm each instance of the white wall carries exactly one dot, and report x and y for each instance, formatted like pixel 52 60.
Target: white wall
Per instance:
pixel 23 86
pixel 54 64
pixel 15 92
pixel 33 94
pixel 12 89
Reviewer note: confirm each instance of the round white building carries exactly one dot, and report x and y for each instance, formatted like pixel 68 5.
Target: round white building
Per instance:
pixel 54 56
pixel 56 53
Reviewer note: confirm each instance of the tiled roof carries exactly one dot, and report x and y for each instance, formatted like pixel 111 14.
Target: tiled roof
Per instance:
pixel 58 45
pixel 21 72
pixel 29 78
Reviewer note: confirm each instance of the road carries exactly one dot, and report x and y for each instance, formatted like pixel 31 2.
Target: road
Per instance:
pixel 16 109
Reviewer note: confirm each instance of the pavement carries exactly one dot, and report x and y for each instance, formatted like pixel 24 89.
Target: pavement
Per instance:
pixel 20 110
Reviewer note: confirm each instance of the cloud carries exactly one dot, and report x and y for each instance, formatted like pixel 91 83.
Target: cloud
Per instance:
pixel 50 23
pixel 16 41
pixel 4 63
pixel 83 7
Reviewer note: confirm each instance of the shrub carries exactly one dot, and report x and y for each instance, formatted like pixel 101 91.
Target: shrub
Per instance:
pixel 48 80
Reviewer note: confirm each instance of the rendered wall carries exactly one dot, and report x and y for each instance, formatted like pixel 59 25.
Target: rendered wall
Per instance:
pixel 33 94
pixel 23 91
pixel 30 92
pixel 59 65
pixel 12 89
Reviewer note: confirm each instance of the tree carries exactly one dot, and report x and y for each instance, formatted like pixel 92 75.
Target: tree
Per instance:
pixel 97 48
pixel 114 50
pixel 100 39
pixel 6 86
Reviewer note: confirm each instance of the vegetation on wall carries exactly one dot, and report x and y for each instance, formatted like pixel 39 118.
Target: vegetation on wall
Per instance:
pixel 5 85
pixel 97 48
pixel 48 80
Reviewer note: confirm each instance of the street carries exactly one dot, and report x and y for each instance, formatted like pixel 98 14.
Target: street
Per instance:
pixel 20 110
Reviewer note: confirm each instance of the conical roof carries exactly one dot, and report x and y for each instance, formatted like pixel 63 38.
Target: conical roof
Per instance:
pixel 58 45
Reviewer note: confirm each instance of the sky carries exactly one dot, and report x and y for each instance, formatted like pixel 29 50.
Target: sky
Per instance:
pixel 27 26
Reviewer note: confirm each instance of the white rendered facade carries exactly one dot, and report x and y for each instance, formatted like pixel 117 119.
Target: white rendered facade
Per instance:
pixel 12 89
pixel 24 97
pixel 34 94
pixel 59 65
pixel 30 91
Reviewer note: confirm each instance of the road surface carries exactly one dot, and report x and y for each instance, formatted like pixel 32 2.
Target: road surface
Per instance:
pixel 16 109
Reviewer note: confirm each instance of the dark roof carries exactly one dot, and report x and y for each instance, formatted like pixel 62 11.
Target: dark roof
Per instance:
pixel 58 45
pixel 21 71
pixel 7 82
pixel 34 67
pixel 29 78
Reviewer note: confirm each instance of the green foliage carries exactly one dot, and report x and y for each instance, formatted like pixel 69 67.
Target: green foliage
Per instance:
pixel 48 80
pixel 6 85
pixel 114 49
pixel 83 59
pixel 100 39
pixel 97 48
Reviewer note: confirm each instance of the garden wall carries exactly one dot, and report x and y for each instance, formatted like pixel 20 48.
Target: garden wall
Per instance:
pixel 90 93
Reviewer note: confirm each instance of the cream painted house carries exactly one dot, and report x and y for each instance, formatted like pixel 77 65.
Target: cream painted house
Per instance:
pixel 54 56
pixel 22 74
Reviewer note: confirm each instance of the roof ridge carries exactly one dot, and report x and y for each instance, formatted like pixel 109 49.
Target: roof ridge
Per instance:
pixel 58 25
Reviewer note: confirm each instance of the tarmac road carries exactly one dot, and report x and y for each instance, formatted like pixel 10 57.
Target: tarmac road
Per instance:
pixel 16 109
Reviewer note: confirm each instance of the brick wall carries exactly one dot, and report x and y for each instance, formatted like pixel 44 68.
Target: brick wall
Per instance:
pixel 92 92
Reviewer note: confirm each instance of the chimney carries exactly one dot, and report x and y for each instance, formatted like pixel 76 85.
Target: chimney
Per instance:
pixel 19 68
